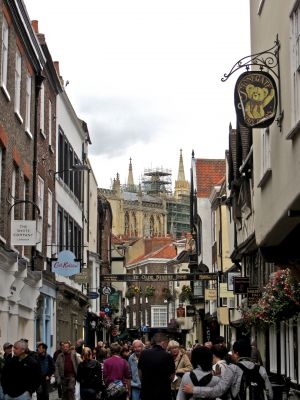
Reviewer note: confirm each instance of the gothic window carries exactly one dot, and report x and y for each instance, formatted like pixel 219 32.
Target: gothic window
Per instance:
pixel 126 224
pixel 151 226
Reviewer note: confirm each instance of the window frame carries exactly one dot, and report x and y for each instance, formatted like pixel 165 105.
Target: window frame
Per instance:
pixel 28 95
pixel 162 320
pixel 4 54
pixel 18 82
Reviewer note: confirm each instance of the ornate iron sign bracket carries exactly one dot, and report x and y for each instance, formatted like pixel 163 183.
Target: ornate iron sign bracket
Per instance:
pixel 265 60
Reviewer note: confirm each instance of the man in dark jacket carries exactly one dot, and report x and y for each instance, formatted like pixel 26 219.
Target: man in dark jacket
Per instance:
pixel 156 370
pixel 47 370
pixel 21 375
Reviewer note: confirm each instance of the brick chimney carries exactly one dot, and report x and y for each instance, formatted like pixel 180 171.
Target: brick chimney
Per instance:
pixel 35 26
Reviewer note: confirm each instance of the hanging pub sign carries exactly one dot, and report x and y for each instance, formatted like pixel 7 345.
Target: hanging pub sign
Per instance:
pixel 66 264
pixel 241 284
pixel 255 99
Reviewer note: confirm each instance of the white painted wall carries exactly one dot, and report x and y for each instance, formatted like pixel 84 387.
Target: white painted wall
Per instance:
pixel 282 189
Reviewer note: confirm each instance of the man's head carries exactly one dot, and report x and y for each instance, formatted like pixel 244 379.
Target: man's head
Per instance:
pixel 241 348
pixel 137 346
pixel 100 344
pixel 42 348
pixel 202 356
pixel 20 348
pixel 160 339
pixel 115 348
pixel 7 347
pixel 66 347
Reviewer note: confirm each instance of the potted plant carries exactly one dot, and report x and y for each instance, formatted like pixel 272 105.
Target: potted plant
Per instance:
pixel 280 301
pixel 186 293
pixel 149 291
pixel 132 291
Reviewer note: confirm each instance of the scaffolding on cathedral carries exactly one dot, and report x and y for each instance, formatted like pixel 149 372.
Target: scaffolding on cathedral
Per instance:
pixel 157 181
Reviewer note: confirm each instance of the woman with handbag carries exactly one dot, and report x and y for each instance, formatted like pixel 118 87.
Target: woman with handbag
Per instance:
pixel 90 376
pixel 116 374
pixel 182 365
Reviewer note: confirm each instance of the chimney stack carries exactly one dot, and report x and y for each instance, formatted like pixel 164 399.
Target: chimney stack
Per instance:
pixel 35 26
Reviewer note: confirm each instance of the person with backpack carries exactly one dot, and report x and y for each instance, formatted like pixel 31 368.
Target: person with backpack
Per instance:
pixel 243 380
pixel 201 375
pixel 90 376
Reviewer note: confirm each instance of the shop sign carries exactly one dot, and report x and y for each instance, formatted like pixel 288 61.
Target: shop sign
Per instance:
pixel 224 293
pixel 241 284
pixel 23 233
pixel 255 98
pixel 190 311
pixel 180 312
pixel 92 295
pixel 253 295
pixel 83 277
pixel 66 264
pixel 210 294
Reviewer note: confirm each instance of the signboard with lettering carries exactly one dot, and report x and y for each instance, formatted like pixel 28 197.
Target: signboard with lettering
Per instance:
pixel 255 98
pixel 224 293
pixel 210 294
pixel 190 310
pixel 23 233
pixel 253 295
pixel 66 264
pixel 241 284
pixel 83 277
pixel 157 277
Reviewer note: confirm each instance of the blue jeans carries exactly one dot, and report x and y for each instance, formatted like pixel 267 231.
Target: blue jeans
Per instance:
pixel 135 393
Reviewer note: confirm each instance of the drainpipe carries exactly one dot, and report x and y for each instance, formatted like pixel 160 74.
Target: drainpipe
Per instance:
pixel 38 85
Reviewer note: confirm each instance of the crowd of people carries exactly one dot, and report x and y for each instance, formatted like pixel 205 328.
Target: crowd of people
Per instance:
pixel 160 370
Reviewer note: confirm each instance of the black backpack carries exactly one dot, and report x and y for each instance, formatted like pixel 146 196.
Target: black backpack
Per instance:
pixel 252 384
pixel 202 382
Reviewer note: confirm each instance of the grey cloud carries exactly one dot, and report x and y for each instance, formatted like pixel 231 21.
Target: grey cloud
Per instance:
pixel 115 123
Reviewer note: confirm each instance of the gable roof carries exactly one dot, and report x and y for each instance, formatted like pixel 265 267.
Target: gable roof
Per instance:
pixel 209 173
pixel 166 252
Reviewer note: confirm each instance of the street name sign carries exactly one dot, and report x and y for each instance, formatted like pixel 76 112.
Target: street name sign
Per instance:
pixel 157 277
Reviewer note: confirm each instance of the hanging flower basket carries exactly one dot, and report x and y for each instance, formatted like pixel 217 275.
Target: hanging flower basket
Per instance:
pixel 280 301
pixel 132 291
pixel 149 291
pixel 186 293
pixel 167 295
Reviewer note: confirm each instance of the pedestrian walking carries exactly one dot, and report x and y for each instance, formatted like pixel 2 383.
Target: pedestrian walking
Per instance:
pixel 232 382
pixel 8 351
pixel 21 375
pixel 65 371
pixel 90 376
pixel 116 368
pixel 201 358
pixel 55 355
pixel 182 365
pixel 101 352
pixel 138 347
pixel 157 370
pixel 47 370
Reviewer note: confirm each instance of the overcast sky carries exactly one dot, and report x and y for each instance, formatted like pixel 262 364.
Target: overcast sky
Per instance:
pixel 146 76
